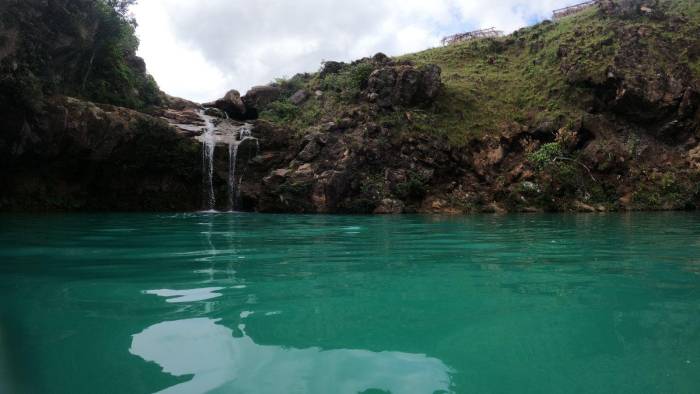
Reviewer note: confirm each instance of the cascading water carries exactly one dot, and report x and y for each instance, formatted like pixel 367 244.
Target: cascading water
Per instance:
pixel 229 134
pixel 232 160
pixel 208 148
pixel 243 133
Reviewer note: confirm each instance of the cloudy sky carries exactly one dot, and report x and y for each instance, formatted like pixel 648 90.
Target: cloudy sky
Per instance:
pixel 199 49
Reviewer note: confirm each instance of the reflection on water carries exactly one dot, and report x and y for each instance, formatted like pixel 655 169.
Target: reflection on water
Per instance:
pixel 177 296
pixel 233 303
pixel 218 360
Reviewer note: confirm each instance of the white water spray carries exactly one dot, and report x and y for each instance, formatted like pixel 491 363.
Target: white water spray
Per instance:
pixel 225 134
pixel 208 148
pixel 232 160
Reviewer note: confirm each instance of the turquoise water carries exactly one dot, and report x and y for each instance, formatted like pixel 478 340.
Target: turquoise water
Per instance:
pixel 244 303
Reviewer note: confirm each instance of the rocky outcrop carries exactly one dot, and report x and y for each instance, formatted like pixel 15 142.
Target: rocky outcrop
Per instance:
pixel 77 155
pixel 63 153
pixel 255 101
pixel 404 85
pixel 232 104
pixel 299 97
pixel 259 97
pixel 631 8
pixel 645 85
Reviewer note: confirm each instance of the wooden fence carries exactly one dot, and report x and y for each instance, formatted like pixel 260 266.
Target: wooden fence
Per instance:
pixel 492 32
pixel 472 35
pixel 574 9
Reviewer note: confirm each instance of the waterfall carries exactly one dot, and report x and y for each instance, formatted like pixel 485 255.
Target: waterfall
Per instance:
pixel 232 159
pixel 243 133
pixel 227 134
pixel 208 148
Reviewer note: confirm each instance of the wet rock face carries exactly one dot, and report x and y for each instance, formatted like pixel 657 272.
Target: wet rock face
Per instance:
pixel 82 156
pixel 404 85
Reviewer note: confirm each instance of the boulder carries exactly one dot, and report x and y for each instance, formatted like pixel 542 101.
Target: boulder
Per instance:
pixel 432 81
pixel 382 84
pixel 404 85
pixel 232 104
pixel 311 150
pixel 299 97
pixel 259 97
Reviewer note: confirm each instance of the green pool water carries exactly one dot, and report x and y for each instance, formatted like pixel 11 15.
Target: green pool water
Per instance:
pixel 245 303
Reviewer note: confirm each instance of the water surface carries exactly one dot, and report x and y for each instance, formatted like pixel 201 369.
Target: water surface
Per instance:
pixel 244 303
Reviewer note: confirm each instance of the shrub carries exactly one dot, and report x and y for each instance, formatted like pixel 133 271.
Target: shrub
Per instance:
pixel 414 188
pixel 109 73
pixel 292 85
pixel 547 154
pixel 281 111
pixel 349 82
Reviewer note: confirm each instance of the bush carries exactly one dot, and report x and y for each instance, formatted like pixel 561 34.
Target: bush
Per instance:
pixel 349 82
pixel 281 111
pixel 547 154
pixel 415 187
pixel 292 85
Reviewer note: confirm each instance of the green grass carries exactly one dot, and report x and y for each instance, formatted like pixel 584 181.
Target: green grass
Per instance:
pixel 493 85
pixel 542 73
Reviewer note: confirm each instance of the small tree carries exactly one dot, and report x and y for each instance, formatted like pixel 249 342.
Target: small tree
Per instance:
pixel 122 8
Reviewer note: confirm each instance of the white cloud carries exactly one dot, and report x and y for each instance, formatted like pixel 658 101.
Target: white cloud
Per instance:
pixel 199 50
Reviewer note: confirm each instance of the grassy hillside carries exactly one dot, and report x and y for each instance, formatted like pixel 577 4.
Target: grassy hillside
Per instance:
pixel 543 73
pixel 597 111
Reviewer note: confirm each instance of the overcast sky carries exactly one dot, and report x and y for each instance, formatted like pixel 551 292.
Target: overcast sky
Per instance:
pixel 200 49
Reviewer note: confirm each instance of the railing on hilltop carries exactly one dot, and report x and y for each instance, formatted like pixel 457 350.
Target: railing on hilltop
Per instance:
pixel 574 9
pixel 472 35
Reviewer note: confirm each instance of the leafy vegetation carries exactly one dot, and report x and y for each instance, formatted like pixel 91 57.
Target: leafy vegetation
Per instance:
pixel 347 83
pixel 547 154
pixel 113 74
pixel 99 65
pixel 415 187
pixel 281 111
